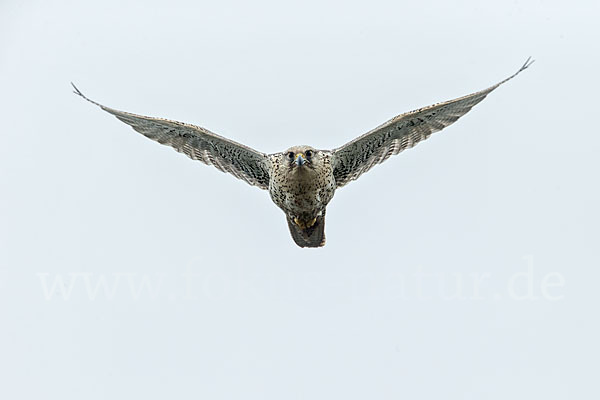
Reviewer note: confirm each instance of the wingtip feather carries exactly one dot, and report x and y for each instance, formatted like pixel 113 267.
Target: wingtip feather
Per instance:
pixel 79 93
pixel 527 64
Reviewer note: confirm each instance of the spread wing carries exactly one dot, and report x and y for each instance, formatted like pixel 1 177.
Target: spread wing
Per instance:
pixel 402 132
pixel 200 144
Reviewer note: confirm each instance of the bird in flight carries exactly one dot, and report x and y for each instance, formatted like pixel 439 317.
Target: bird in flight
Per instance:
pixel 302 179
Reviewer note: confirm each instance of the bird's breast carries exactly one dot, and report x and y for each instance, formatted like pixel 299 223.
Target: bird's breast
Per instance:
pixel 302 192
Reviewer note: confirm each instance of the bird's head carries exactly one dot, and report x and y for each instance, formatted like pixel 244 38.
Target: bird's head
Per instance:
pixel 302 158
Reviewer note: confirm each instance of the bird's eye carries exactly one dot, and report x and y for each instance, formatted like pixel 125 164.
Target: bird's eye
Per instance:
pixel 290 155
pixel 308 153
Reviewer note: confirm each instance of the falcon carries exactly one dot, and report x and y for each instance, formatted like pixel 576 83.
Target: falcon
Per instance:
pixel 302 179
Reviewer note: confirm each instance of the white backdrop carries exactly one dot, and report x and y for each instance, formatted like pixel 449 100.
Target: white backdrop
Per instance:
pixel 464 268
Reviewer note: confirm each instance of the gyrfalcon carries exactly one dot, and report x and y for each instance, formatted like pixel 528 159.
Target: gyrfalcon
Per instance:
pixel 302 179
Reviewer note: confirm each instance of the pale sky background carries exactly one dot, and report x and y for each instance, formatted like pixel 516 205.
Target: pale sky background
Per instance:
pixel 465 268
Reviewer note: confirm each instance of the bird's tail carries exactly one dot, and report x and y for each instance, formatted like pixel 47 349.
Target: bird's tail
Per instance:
pixel 313 236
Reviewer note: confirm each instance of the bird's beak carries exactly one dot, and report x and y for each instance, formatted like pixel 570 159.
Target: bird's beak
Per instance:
pixel 300 160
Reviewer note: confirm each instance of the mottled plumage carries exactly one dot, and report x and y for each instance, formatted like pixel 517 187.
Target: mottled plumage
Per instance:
pixel 302 180
pixel 303 191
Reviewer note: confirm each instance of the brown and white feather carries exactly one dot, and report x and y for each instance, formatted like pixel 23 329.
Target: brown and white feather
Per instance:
pixel 199 144
pixel 402 132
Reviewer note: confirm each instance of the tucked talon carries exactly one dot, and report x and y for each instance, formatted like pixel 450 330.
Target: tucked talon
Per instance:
pixel 304 225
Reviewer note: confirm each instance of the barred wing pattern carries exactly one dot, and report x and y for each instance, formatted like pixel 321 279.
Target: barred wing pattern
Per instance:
pixel 199 144
pixel 402 132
